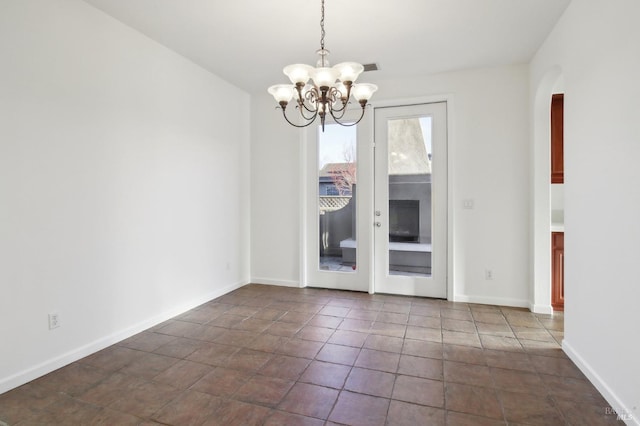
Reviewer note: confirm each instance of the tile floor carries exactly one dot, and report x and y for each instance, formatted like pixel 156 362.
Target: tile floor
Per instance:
pixel 265 355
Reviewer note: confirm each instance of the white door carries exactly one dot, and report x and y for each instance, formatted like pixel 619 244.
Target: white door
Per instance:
pixel 410 212
pixel 338 194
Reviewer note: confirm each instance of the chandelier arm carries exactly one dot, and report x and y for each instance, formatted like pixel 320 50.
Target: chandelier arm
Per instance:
pixel 337 114
pixel 341 109
pixel 352 124
pixel 302 114
pixel 312 98
pixel 309 120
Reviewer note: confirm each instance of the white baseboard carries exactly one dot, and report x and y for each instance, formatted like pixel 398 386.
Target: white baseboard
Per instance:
pixel 500 301
pixel 60 361
pixel 625 412
pixel 541 309
pixel 281 283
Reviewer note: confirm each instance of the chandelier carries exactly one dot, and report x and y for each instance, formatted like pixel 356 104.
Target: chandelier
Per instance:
pixel 324 89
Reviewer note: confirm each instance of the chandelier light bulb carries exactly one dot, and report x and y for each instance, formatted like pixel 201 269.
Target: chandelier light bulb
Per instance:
pixel 281 92
pixel 349 71
pixel 298 73
pixel 363 91
pixel 324 77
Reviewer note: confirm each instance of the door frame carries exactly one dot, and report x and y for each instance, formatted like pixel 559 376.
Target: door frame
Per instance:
pixel 435 283
pixel 364 199
pixel 369 203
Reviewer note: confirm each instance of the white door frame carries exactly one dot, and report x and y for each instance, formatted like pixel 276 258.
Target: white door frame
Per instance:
pixel 451 195
pixel 361 279
pixel 435 283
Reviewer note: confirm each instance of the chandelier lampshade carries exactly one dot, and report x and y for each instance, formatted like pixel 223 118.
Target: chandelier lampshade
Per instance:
pixel 324 89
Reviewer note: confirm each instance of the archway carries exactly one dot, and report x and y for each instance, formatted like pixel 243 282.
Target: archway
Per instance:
pixel 551 82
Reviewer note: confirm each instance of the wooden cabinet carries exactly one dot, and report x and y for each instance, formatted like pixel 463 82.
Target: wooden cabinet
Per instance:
pixel 557 271
pixel 557 138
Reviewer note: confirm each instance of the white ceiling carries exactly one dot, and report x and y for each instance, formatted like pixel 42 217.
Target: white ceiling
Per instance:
pixel 248 42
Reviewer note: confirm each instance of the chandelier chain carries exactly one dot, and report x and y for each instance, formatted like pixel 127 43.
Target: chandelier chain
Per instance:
pixel 322 26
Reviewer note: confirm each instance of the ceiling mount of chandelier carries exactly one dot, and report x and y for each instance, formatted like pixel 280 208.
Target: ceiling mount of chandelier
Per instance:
pixel 324 89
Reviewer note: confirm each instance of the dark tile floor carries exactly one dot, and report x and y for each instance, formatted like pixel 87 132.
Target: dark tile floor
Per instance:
pixel 265 355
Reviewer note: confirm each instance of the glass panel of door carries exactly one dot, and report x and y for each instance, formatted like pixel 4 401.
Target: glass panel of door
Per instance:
pixel 409 176
pixel 337 212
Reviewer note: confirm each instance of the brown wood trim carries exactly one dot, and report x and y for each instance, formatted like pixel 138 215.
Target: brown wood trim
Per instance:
pixel 557 138
pixel 557 268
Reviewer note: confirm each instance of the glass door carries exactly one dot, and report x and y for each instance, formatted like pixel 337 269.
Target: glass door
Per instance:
pixel 410 213
pixel 338 184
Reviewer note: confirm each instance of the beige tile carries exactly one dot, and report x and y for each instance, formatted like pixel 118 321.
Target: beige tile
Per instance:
pixel 222 382
pixel 479 401
pixel 419 391
pixel 500 343
pixel 338 354
pixel 467 354
pixel 309 400
pixel 459 338
pixel 325 321
pixel 317 334
pixel 281 418
pixel 423 333
pixel 357 409
pixel 425 321
pixel 233 412
pixel 378 360
pixel 469 374
pixel 404 413
pixel 384 343
pixel 285 367
pixel 264 390
pixel 530 409
pixel 462 419
pixel 73 379
pixel 370 382
pixel 348 338
pixel 183 374
pixel 458 325
pixel 284 356
pixel 422 348
pixel 518 381
pixel 300 348
pixel 326 374
pixel 146 399
pixel 190 408
pixel 502 330
pixel 420 367
pixel 388 329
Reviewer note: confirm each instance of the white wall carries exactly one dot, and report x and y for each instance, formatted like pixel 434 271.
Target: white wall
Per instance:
pixel 275 195
pixel 123 184
pixel 595 46
pixel 489 152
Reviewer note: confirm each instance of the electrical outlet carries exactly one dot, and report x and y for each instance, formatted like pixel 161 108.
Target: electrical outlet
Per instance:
pixel 488 274
pixel 54 320
pixel 468 204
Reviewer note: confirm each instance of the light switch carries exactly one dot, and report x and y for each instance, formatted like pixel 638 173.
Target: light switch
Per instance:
pixel 467 204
